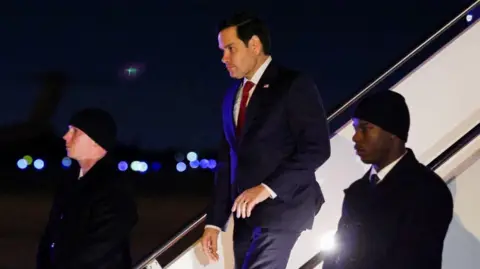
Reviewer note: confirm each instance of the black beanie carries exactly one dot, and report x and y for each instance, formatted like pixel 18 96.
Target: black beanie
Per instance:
pixel 98 124
pixel 388 110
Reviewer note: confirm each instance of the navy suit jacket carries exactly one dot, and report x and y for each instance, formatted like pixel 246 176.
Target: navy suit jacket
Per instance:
pixel 285 138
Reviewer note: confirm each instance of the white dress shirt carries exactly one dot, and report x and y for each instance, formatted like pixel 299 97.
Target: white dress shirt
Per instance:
pixel 383 172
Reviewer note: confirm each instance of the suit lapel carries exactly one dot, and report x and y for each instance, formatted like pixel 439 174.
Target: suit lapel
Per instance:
pixel 262 89
pixel 228 121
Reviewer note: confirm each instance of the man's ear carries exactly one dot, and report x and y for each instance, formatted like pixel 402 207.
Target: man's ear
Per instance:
pixel 255 44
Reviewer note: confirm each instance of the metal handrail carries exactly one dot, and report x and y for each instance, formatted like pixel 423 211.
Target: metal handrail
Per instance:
pixel 401 62
pixel 170 243
pixel 337 112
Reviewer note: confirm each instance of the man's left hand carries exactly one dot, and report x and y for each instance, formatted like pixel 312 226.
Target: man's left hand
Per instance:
pixel 246 201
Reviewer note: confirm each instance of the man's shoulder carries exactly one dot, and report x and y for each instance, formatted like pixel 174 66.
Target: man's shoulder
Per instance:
pixel 116 192
pixel 289 73
pixel 110 180
pixel 358 184
pixel 296 79
pixel 429 183
pixel 286 69
pixel 419 174
pixel 426 175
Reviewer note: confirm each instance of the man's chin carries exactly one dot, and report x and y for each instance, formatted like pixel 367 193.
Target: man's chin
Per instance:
pixel 70 155
pixel 365 159
pixel 235 75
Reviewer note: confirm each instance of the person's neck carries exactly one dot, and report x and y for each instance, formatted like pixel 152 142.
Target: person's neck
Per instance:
pixel 87 164
pixel 261 59
pixel 393 155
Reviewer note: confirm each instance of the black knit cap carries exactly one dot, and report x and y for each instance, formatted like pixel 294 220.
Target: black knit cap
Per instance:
pixel 386 109
pixel 98 124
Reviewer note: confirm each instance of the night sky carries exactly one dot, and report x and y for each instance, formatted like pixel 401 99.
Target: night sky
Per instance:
pixel 175 102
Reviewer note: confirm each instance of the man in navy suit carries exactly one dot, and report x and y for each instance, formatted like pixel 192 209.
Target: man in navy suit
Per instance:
pixel 275 136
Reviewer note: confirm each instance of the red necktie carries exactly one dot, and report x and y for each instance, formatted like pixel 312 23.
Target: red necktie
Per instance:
pixel 243 106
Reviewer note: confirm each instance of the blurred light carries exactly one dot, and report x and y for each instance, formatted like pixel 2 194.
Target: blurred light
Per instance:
pixel 156 166
pixel 181 167
pixel 28 159
pixel 66 162
pixel 123 166
pixel 142 167
pixel 327 242
pixel 194 164
pixel 179 157
pixel 22 164
pixel 469 17
pixel 212 164
pixel 135 166
pixel 204 163
pixel 39 164
pixel 192 156
pixel 132 71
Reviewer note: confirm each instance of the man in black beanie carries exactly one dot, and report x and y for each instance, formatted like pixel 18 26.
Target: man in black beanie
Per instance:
pixel 93 214
pixel 397 215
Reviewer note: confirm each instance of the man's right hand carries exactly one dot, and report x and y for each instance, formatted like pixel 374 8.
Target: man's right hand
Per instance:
pixel 209 243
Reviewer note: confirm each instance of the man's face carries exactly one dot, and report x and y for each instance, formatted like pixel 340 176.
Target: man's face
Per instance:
pixel 79 145
pixel 238 58
pixel 372 143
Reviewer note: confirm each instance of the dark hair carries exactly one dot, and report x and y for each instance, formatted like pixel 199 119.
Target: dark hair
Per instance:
pixel 248 26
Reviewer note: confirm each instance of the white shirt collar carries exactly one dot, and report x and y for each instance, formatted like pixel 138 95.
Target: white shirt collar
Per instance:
pixel 383 172
pixel 256 77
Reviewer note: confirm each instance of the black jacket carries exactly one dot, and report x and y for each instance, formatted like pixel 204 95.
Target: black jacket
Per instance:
pixel 90 222
pixel 401 223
